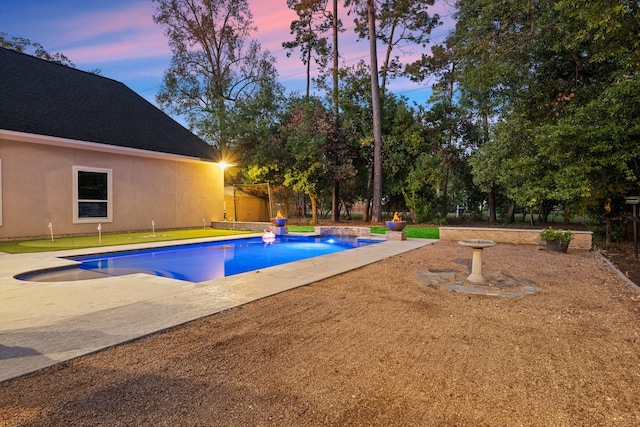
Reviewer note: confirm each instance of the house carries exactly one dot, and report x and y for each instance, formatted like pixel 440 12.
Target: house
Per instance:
pixel 78 150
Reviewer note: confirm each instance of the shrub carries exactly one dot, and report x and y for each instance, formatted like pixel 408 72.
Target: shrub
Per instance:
pixel 552 234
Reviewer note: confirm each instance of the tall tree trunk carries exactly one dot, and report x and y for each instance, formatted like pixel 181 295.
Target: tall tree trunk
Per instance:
pixel 445 187
pixel 543 213
pixel 336 99
pixel 491 200
pixel 221 112
pixel 491 197
pixel 531 221
pixel 511 212
pixel 304 207
pixel 376 106
pixel 447 161
pixel 335 202
pixel 387 59
pixel 314 209
pixel 367 209
pixel 308 88
pixel 367 202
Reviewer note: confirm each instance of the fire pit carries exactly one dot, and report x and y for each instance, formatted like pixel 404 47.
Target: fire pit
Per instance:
pixel 279 220
pixel 476 263
pixel 396 224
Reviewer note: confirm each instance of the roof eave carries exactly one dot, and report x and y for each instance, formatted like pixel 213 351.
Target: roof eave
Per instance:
pixel 94 146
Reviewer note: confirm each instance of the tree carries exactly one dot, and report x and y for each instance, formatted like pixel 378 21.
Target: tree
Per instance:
pixel 376 108
pixel 597 150
pixel 391 21
pixel 215 64
pixel 336 28
pixel 451 123
pixel 313 21
pixel 24 45
pixel 398 22
pixel 355 126
pixel 441 64
pixel 401 147
pixel 296 154
pixel 256 120
pixel 541 68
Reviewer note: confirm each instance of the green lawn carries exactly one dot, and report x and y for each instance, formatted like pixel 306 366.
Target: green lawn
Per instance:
pixel 417 231
pixel 80 242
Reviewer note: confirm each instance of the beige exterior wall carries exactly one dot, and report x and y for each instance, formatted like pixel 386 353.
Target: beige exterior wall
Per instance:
pixel 37 187
pixel 246 208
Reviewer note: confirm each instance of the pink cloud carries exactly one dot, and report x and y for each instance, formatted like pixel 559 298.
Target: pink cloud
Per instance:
pixel 273 23
pixel 131 32
pixel 138 47
pixel 113 35
pixel 100 37
pixel 137 18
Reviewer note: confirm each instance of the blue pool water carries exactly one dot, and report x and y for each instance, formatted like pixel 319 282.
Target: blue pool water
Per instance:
pixel 206 261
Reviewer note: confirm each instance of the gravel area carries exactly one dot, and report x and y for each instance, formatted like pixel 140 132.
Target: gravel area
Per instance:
pixel 389 344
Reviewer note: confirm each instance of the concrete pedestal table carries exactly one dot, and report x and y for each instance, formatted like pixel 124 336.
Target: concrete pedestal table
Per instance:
pixel 476 263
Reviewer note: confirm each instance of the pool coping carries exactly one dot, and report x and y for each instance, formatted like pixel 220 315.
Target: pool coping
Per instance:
pixel 44 323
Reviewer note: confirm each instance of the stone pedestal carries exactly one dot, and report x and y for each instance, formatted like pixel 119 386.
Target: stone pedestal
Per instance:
pixel 476 261
pixel 279 231
pixel 396 235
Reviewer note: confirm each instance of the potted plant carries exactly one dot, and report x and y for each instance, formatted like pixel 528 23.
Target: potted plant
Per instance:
pixel 556 240
pixel 396 224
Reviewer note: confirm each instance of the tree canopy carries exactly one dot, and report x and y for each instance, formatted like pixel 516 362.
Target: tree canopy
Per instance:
pixel 533 105
pixel 557 79
pixel 215 66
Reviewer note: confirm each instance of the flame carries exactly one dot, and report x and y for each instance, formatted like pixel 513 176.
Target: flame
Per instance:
pixel 396 217
pixel 279 214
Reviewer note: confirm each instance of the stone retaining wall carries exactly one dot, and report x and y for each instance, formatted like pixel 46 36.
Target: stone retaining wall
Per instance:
pixel 345 231
pixel 321 230
pixel 237 225
pixel 581 239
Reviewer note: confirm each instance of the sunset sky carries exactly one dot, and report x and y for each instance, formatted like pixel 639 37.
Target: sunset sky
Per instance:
pixel 120 38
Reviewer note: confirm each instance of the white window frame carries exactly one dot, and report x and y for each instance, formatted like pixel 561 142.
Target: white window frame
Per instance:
pixel 94 220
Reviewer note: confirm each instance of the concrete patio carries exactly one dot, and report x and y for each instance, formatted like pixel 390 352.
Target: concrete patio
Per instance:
pixel 44 323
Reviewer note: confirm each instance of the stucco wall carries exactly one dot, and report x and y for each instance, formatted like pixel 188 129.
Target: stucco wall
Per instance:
pixel 581 239
pixel 37 188
pixel 246 208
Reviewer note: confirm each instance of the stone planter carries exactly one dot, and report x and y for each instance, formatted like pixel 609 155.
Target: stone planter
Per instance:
pixel 396 225
pixel 557 245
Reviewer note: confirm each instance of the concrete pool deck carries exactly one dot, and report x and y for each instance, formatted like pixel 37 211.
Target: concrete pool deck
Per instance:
pixel 44 323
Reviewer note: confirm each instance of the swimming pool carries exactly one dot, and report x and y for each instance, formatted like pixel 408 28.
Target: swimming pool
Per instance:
pixel 198 262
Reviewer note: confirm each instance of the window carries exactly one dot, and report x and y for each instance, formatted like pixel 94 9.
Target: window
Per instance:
pixel 92 195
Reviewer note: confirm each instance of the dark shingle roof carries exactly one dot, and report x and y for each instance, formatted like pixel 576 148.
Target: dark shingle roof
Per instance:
pixel 44 98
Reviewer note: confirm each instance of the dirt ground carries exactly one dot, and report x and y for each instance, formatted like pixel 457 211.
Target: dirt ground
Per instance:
pixel 622 255
pixel 398 343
